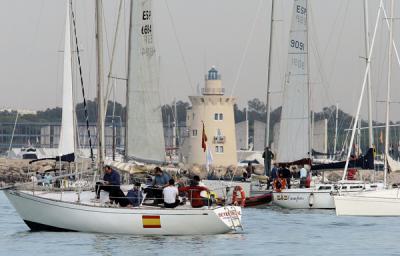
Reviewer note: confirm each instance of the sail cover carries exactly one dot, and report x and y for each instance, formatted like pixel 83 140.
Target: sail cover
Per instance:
pixel 66 145
pixel 295 122
pixel 144 134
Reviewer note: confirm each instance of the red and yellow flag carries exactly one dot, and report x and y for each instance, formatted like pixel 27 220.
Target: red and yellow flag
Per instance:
pixel 151 221
pixel 204 139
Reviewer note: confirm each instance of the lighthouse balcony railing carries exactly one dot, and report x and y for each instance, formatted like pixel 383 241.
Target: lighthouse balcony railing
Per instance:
pixel 219 139
pixel 213 91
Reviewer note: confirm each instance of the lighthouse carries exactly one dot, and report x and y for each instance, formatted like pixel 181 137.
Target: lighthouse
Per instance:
pixel 213 111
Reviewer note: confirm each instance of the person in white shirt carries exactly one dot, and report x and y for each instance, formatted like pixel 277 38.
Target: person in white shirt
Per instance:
pixel 170 194
pixel 303 177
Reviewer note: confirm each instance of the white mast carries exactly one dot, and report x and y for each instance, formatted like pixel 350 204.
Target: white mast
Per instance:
pixel 367 60
pixel 267 123
pixel 367 69
pixel 387 134
pixel 100 96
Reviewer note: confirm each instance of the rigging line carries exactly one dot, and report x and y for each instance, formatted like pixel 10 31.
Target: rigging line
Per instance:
pixel 82 86
pixel 246 48
pixel 179 47
pixel 319 59
pixel 334 26
pixel 109 88
pixel 393 42
pixel 108 55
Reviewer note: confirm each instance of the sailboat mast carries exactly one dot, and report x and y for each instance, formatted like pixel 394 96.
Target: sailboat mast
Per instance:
pixel 367 60
pixel 308 85
pixel 268 115
pixel 387 134
pixel 100 96
pixel 128 79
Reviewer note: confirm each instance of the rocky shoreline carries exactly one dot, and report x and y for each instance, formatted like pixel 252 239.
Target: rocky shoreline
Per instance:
pixel 19 170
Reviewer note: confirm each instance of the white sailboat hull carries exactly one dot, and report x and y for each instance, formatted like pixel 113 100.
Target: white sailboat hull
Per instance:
pixel 41 213
pixel 371 203
pixel 304 199
pixel 320 197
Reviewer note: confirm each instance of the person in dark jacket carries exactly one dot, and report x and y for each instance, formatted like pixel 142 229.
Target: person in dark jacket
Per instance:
pixel 135 195
pixel 274 175
pixel 286 174
pixel 111 182
pixel 268 156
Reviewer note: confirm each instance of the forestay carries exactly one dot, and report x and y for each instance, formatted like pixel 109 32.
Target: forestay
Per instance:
pixel 295 120
pixel 144 138
pixel 67 133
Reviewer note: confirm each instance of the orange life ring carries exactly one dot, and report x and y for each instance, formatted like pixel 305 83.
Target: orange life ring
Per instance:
pixel 235 199
pixel 279 184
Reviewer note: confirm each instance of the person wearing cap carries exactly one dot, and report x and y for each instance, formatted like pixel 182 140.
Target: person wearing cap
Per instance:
pixel 135 195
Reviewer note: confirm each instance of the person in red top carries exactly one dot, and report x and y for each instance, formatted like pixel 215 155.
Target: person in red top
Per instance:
pixel 193 192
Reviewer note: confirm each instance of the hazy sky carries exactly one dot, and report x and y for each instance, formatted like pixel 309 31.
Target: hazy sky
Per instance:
pixel 230 34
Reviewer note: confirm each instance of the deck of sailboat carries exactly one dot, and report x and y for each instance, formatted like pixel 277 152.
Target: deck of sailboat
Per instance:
pixel 86 198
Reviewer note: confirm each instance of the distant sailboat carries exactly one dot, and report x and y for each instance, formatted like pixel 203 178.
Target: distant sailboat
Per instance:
pixel 385 202
pixel 295 144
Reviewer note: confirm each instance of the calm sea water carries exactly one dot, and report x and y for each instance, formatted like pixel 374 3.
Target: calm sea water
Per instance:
pixel 268 231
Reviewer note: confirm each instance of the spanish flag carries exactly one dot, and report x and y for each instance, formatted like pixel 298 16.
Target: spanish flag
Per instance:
pixel 204 139
pixel 151 221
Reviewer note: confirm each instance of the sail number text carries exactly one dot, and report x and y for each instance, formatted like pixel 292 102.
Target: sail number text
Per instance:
pixel 297 44
pixel 146 15
pixel 301 10
pixel 146 29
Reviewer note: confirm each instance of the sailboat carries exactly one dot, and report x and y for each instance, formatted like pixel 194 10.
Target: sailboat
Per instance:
pixel 74 211
pixel 385 202
pixel 295 145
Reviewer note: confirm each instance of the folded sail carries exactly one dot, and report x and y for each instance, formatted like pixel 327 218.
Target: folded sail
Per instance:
pixel 144 133
pixel 66 145
pixel 295 119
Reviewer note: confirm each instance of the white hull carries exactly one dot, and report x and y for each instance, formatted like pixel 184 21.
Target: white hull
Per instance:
pixel 41 213
pixel 320 197
pixel 371 203
pixel 304 199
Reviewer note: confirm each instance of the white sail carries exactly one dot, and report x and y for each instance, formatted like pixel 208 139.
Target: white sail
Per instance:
pixel 67 138
pixel 295 121
pixel 144 133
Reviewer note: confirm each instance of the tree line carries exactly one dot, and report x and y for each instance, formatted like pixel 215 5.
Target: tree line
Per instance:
pixel 256 110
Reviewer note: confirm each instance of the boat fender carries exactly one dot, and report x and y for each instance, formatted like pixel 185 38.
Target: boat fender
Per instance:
pixel 311 200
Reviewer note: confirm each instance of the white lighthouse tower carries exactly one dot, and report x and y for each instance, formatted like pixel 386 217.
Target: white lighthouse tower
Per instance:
pixel 216 112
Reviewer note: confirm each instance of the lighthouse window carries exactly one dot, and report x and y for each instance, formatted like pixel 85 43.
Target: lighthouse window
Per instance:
pixel 194 133
pixel 219 149
pixel 218 116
